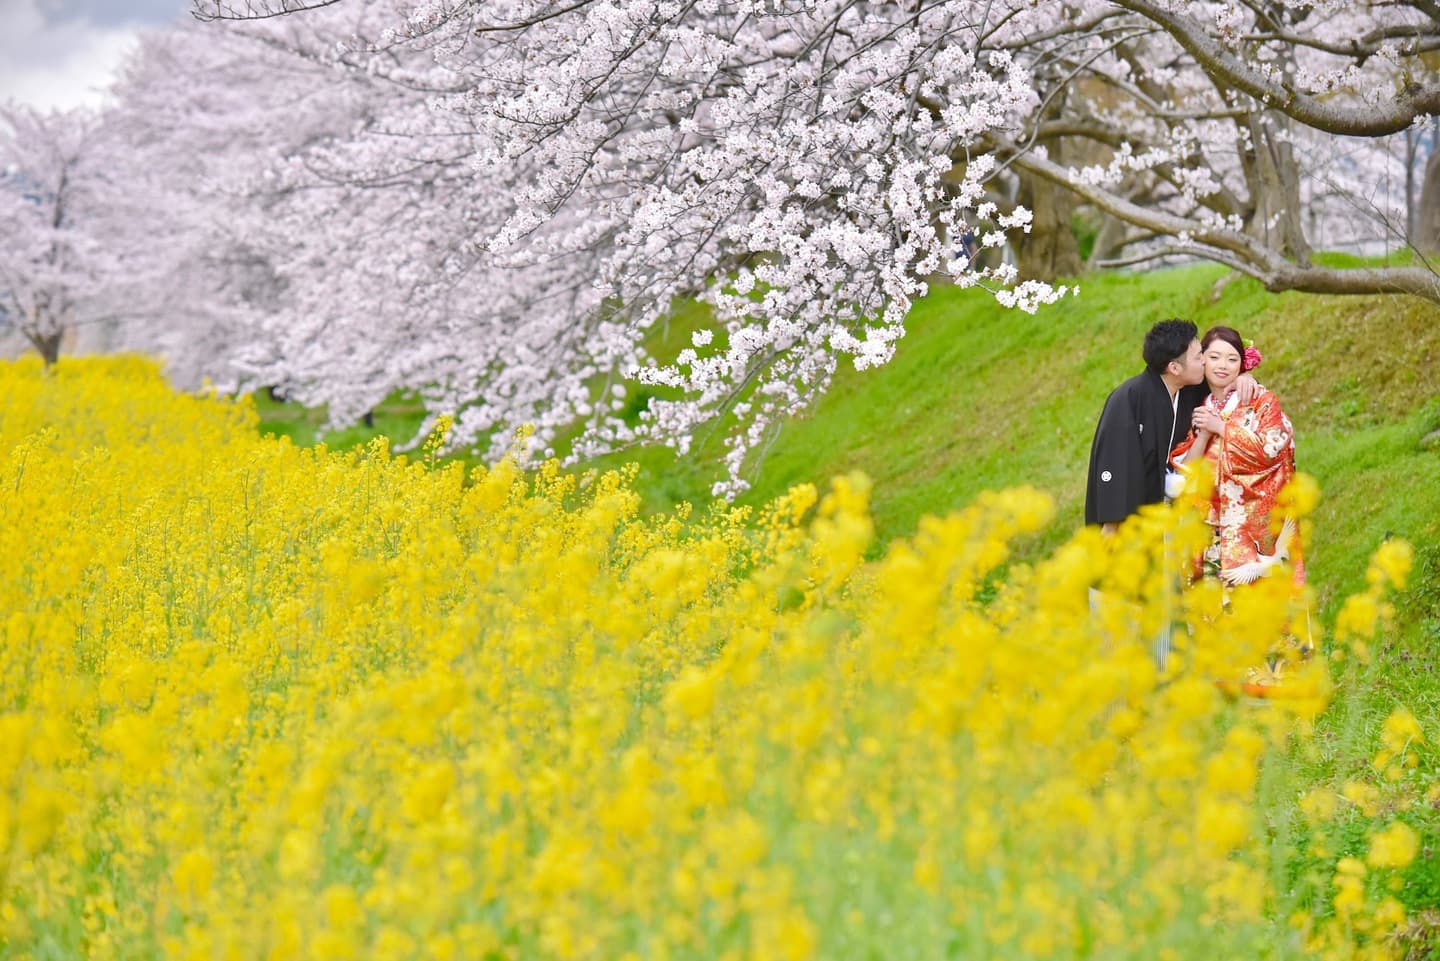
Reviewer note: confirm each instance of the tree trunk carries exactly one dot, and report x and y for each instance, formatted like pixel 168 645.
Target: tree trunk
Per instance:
pixel 1412 146
pixel 1275 190
pixel 1049 251
pixel 1107 241
pixel 1110 242
pixel 1427 218
pixel 48 345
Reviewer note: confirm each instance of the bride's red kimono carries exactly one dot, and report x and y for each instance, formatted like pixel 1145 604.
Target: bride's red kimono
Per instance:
pixel 1253 460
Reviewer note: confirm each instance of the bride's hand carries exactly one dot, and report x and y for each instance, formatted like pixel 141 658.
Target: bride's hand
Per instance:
pixel 1207 421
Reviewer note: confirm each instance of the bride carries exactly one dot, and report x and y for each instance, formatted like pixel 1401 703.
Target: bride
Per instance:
pixel 1251 448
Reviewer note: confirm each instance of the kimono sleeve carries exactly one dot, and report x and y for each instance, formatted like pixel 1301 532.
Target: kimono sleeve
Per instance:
pixel 1112 491
pixel 1254 445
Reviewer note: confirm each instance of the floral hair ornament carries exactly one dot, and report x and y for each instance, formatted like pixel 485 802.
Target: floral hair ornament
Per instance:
pixel 1250 359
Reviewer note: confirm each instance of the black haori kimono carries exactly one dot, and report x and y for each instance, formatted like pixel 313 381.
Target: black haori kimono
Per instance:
pixel 1137 430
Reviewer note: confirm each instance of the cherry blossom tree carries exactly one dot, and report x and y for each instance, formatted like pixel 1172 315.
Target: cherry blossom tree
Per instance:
pixel 558 187
pixel 50 187
pixel 360 200
pixel 520 190
pixel 204 122
pixel 1224 130
pixel 110 246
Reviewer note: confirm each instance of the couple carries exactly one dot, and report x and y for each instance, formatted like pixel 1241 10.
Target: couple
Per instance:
pixel 1196 400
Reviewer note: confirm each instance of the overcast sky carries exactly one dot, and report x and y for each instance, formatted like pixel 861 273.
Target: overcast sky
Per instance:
pixel 61 53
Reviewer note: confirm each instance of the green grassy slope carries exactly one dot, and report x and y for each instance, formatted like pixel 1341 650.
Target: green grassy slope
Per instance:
pixel 982 397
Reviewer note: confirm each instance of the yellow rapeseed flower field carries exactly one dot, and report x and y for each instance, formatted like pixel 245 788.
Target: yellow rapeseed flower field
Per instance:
pixel 258 701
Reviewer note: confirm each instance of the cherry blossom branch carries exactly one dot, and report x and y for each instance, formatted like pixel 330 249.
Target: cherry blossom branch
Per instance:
pixel 1064 28
pixel 1233 248
pixel 1357 120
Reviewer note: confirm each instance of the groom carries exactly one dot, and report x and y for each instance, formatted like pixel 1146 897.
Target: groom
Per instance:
pixel 1142 420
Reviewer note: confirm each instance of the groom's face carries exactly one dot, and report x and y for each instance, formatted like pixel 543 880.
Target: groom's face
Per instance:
pixel 1190 368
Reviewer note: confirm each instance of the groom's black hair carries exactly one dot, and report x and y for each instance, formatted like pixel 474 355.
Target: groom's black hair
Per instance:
pixel 1168 340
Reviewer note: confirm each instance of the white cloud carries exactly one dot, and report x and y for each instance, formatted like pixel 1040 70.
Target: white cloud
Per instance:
pixel 115 11
pixel 62 64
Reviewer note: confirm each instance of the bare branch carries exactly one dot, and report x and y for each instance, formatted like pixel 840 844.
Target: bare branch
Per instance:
pixel 1182 250
pixel 212 10
pixel 1419 281
pixel 1360 48
pixel 1150 218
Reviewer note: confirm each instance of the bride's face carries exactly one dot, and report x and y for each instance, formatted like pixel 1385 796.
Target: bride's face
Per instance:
pixel 1222 364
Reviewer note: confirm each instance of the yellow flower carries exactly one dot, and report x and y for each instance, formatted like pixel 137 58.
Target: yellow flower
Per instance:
pixel 41 811
pixel 429 790
pixel 192 877
pixel 1358 616
pixel 1319 805
pixel 392 944
pixel 926 872
pixel 1300 496
pixel 341 907
pixel 1388 915
pixel 299 858
pixel 1391 563
pixel 1221 826
pixel 1401 729
pixel 787 935
pixel 1365 796
pixel 692 694
pixel 1393 847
